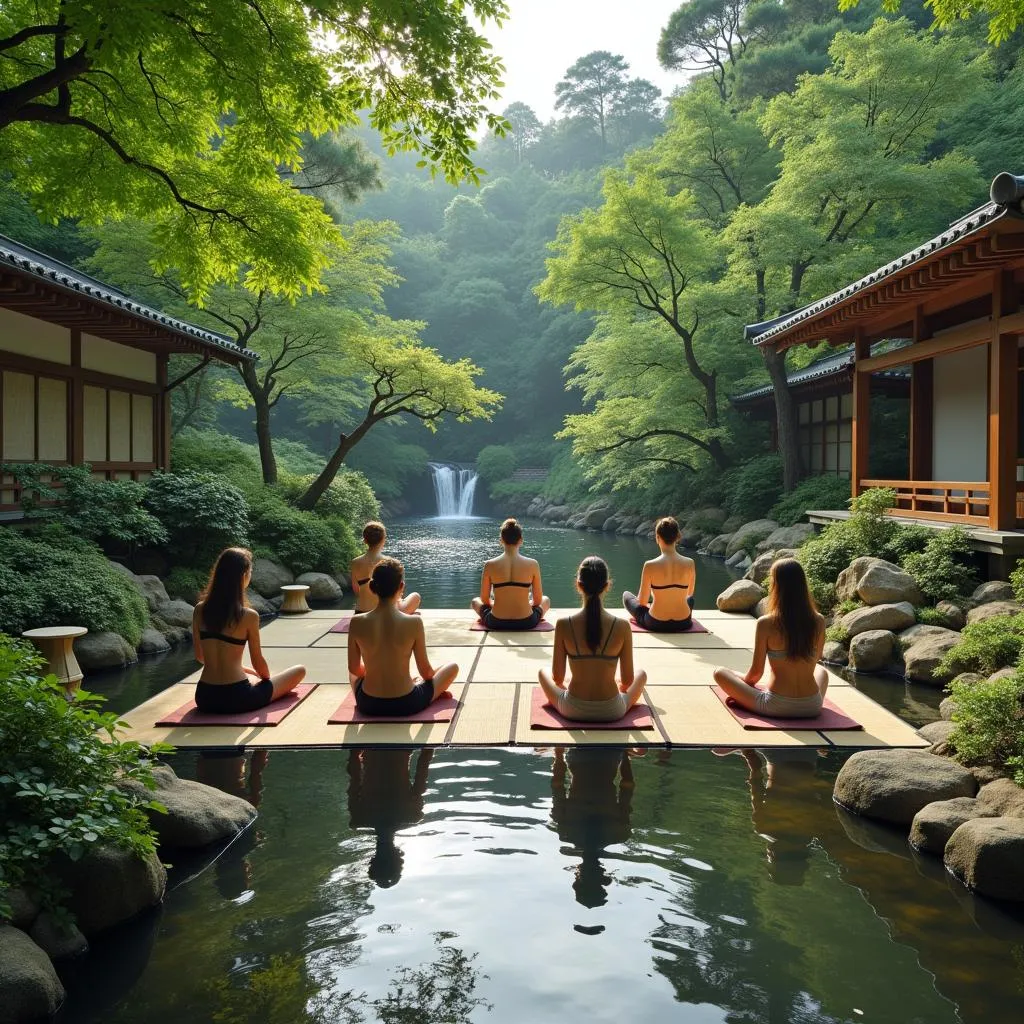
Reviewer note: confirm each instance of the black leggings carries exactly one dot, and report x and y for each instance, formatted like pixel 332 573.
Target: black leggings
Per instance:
pixel 644 619
pixel 411 703
pixel 491 621
pixel 232 698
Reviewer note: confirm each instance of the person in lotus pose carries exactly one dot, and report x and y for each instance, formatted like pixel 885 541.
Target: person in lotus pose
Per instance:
pixel 374 537
pixel 593 642
pixel 789 641
pixel 222 625
pixel 511 578
pixel 380 644
pixel 666 586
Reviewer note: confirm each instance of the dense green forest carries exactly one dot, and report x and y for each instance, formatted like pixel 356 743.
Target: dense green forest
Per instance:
pixel 578 300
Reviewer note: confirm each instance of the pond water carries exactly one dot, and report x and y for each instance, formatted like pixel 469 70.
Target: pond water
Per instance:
pixel 524 885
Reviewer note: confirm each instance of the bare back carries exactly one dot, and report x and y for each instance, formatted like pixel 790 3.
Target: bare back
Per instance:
pixel 380 643
pixel 222 658
pixel 516 584
pixel 592 674
pixel 669 579
pixel 360 569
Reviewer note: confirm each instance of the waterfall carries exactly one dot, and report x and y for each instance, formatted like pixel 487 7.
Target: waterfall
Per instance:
pixel 453 489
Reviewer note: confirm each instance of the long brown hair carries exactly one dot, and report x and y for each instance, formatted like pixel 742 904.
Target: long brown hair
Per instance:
pixel 791 605
pixel 592 581
pixel 224 599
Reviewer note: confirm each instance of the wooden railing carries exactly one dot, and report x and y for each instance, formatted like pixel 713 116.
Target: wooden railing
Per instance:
pixel 954 501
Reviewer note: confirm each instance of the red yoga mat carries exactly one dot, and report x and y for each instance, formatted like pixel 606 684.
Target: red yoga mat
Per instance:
pixel 441 710
pixel 544 716
pixel 542 627
pixel 272 714
pixel 695 628
pixel 831 717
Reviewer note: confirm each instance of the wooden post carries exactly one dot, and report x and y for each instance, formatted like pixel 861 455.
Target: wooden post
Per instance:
pixel 922 399
pixel 77 404
pixel 162 455
pixel 861 414
pixel 1002 407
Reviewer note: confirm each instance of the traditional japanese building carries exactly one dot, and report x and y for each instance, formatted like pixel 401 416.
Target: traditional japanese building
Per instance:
pixel 84 371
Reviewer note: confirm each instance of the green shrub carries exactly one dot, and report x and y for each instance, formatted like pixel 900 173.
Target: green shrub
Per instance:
pixel 989 723
pixel 59 792
pixel 202 513
pixel 907 540
pixel 302 541
pixel 838 634
pixel 349 497
pixel 496 462
pixel 206 451
pixel 185 583
pixel 847 606
pixel 869 528
pixel 986 646
pixel 49 577
pixel 929 616
pixel 755 487
pixel 1017 579
pixel 816 492
pixel 943 570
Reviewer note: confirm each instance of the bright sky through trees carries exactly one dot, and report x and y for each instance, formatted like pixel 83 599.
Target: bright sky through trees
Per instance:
pixel 541 38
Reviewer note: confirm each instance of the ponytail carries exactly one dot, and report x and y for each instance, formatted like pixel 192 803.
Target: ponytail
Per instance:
pixel 592 581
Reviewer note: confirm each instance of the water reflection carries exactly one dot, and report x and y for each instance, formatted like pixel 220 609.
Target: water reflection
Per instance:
pixel 382 797
pixel 592 813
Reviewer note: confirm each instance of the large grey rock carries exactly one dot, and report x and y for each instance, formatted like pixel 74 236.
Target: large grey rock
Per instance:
pixel 594 519
pixel 645 528
pixel 834 653
pixel 969 678
pixel 96 651
pixel 893 785
pixel 749 535
pixel 947 708
pixel 691 537
pixel 953 616
pixel 197 815
pixel 936 822
pixel 921 631
pixel 736 558
pixel 938 734
pixel 259 603
pixel 554 514
pixel 153 642
pixel 991 609
pixel 153 590
pixel 706 517
pixel 1004 797
pixel 611 524
pixel 872 650
pixel 732 524
pixel 321 586
pixel 176 613
pixel 993 590
pixel 59 940
pixel 719 545
pixel 174 635
pixel 921 660
pixel 760 609
pixel 761 567
pixel 876 581
pixel 787 537
pixel 268 577
pixel 628 524
pixel 740 596
pixel 110 885
pixel 893 617
pixel 29 987
pixel 987 854
pixel 24 908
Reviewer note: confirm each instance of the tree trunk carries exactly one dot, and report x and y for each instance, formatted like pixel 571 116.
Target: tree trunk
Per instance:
pixel 267 460
pixel 346 442
pixel 785 416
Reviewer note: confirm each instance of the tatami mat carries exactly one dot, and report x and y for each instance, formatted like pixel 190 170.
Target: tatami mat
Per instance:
pixel 496 675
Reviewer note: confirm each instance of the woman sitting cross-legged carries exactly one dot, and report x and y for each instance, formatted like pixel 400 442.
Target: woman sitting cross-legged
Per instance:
pixel 594 642
pixel 380 644
pixel 666 584
pixel 374 537
pixel 789 639
pixel 222 625
pixel 512 578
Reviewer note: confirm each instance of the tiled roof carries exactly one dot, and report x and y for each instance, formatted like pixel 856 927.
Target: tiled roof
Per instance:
pixel 763 332
pixel 53 272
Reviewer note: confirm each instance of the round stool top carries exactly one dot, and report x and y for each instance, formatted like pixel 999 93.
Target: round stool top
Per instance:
pixel 54 632
pixel 296 587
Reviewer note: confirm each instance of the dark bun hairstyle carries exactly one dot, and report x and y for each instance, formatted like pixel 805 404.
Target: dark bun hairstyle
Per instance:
pixel 592 580
pixel 224 598
pixel 511 532
pixel 374 533
pixel 387 576
pixel 668 530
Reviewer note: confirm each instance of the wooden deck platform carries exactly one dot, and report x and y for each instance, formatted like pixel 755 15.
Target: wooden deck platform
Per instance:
pixel 496 674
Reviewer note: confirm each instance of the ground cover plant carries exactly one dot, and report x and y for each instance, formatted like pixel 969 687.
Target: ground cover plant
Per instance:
pixel 989 722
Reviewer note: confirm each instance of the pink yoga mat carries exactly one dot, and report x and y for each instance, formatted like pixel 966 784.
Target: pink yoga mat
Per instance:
pixel 542 627
pixel 341 626
pixel 441 710
pixel 831 717
pixel 272 714
pixel 695 628
pixel 544 716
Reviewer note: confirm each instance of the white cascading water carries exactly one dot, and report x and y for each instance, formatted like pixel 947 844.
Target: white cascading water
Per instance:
pixel 453 489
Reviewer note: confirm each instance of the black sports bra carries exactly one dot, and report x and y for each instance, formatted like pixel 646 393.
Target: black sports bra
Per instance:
pixel 207 634
pixel 511 583
pixel 670 586
pixel 601 656
pixel 361 582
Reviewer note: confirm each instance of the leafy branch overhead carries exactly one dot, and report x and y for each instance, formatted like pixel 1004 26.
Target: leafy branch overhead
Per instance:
pixel 185 111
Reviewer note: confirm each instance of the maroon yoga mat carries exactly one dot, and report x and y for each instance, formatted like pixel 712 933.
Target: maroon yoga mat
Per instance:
pixel 272 714
pixel 341 626
pixel 695 628
pixel 542 627
pixel 831 717
pixel 544 716
pixel 441 710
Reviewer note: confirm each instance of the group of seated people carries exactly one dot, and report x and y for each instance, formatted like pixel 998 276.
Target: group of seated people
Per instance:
pixel 593 646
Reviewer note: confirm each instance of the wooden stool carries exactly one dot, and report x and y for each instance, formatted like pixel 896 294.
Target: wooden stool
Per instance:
pixel 295 599
pixel 56 643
